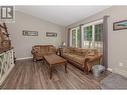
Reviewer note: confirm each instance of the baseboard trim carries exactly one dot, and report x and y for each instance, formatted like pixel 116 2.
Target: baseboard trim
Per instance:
pixel 118 71
pixel 109 69
pixel 121 72
pixel 24 58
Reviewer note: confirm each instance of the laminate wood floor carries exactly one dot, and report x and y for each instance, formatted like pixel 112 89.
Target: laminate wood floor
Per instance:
pixel 35 75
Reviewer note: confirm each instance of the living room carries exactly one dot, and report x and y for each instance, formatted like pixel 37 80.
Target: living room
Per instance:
pixel 85 42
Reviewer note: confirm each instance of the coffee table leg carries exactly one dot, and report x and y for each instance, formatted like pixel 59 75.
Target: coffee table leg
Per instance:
pixel 66 67
pixel 50 71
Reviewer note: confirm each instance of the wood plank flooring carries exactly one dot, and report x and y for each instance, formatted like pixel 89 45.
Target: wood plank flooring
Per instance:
pixel 35 75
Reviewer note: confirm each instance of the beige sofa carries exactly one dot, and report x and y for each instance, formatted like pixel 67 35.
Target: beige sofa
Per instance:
pixel 83 58
pixel 38 51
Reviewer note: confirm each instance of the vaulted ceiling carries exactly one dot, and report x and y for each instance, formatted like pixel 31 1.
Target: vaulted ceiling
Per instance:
pixel 61 15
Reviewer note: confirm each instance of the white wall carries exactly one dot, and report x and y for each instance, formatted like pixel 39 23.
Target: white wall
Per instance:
pixel 23 44
pixel 117 40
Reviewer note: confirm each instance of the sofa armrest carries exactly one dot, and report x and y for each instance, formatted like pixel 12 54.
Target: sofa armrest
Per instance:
pixel 92 58
pixel 34 50
pixel 90 61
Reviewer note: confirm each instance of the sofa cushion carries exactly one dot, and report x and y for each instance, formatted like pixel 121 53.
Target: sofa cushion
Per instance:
pixel 43 49
pixel 52 49
pixel 84 52
pixel 68 55
pixel 72 49
pixel 66 50
pixel 79 51
pixel 92 52
pixel 79 59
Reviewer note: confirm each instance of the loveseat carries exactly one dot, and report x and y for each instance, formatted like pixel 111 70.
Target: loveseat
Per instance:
pixel 38 51
pixel 83 58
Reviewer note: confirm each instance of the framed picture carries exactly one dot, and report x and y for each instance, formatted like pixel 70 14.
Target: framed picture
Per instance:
pixel 51 34
pixel 120 25
pixel 29 33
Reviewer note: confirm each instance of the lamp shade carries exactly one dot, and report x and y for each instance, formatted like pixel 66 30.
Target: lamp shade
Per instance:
pixel 64 43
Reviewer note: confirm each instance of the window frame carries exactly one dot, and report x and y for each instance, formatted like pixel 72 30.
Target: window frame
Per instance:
pixel 71 30
pixel 93 31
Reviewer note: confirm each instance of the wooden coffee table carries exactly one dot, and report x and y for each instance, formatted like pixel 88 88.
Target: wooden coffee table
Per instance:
pixel 54 59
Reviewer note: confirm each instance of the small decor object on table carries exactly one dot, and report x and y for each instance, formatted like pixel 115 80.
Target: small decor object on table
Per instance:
pixel 120 25
pixel 63 45
pixel 60 49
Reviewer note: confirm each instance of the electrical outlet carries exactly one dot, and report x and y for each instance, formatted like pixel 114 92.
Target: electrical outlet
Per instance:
pixel 121 64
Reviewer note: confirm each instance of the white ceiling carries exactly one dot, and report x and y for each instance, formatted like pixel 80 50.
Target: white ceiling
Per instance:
pixel 61 15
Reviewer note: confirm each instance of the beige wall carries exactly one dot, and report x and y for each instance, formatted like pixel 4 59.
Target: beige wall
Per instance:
pixel 22 44
pixel 117 40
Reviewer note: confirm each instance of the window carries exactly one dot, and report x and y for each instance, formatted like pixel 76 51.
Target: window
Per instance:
pixel 98 43
pixel 87 36
pixel 75 37
pixel 92 35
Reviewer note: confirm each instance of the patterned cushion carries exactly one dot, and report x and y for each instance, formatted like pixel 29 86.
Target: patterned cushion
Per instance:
pixel 72 49
pixel 52 49
pixel 68 55
pixel 92 52
pixel 84 52
pixel 66 50
pixel 44 49
pixel 79 59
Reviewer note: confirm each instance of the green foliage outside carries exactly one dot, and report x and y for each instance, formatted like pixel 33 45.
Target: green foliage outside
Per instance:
pixel 73 38
pixel 87 34
pixel 98 32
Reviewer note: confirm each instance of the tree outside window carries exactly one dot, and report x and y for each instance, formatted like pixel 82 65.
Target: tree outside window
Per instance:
pixel 73 38
pixel 93 36
pixel 98 37
pixel 88 36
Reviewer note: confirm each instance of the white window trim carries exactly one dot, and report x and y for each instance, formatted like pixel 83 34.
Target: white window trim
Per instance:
pixel 93 25
pixel 71 35
pixel 93 37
